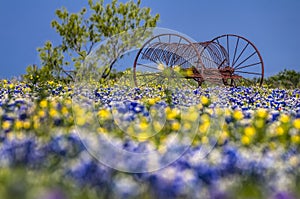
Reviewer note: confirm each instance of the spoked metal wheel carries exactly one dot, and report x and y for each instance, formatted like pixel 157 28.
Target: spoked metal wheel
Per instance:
pixel 167 60
pixel 245 66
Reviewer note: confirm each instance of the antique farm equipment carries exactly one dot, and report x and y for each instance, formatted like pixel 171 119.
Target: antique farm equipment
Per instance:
pixel 230 59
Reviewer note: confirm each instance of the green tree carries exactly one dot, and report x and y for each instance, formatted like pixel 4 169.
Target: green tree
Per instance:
pixel 285 79
pixel 81 31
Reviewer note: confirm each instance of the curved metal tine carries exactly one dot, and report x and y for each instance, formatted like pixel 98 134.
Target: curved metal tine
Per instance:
pixel 235 49
pixel 183 50
pixel 218 62
pixel 249 65
pixel 178 45
pixel 164 54
pixel 216 55
pixel 169 54
pixel 210 50
pixel 175 53
pixel 146 55
pixel 154 51
pixel 151 67
pixel 246 59
pixel 186 60
pixel 240 54
pixel 213 61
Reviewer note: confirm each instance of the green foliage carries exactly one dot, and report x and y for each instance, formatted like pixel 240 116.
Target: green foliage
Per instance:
pixel 81 31
pixel 285 79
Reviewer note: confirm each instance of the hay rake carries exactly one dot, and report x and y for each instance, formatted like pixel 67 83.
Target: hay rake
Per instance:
pixel 230 59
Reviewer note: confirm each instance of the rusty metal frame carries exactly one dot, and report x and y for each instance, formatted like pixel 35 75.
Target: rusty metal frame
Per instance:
pixel 213 58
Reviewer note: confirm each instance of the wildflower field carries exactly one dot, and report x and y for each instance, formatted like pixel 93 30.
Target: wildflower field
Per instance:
pixel 206 142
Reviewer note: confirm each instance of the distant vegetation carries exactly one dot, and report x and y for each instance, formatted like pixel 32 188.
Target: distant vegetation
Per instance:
pixel 285 79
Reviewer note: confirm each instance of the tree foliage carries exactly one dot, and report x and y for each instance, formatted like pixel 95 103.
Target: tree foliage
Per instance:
pixel 285 79
pixel 80 32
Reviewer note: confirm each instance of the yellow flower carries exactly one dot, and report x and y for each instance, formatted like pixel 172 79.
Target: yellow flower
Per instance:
pixel 272 145
pixel 204 127
pixel 295 139
pixel 101 130
pixel 227 112
pixel 80 120
pixel 43 103
pixel 204 100
pixel 262 113
pixel 27 90
pixel 53 112
pixel 284 118
pixel 157 126
pixel 18 124
pixel 172 113
pixel 249 131
pixel 144 125
pixel 160 66
pixel 6 125
pixel 151 101
pixel 64 110
pixel 199 106
pixel 259 123
pixel 41 113
pixel 177 68
pixel 238 115
pixel 175 126
pixel 36 124
pixel 191 115
pixel 26 124
pixel 205 118
pixel 143 136
pixel 162 149
pixel 204 140
pixel 296 123
pixel 68 102
pixel 189 72
pixel 245 140
pixel 223 136
pixel 104 114
pixel 279 130
pixel 187 126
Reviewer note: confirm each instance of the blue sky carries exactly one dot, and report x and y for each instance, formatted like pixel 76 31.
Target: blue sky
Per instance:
pixel 273 26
